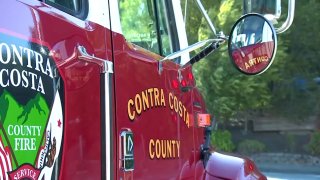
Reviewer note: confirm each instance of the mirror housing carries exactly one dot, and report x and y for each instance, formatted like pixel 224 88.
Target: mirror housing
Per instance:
pixel 265 7
pixel 252 44
pixel 271 9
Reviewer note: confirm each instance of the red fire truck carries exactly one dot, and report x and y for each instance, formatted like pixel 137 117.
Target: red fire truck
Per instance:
pixel 104 89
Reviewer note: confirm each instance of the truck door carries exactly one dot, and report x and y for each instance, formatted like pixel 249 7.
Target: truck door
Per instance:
pixel 51 56
pixel 153 129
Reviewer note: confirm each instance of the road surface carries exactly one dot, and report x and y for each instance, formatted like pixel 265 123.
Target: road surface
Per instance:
pixel 291 176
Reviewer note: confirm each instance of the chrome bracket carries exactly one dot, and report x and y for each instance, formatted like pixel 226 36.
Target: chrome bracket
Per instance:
pixel 106 65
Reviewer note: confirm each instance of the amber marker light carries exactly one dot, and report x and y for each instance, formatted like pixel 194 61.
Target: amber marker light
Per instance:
pixel 203 120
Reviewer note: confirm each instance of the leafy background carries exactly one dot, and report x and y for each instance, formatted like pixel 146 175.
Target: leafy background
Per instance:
pixel 288 91
pixel 283 90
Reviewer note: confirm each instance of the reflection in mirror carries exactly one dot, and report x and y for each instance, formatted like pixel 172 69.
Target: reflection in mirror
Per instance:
pixel 264 7
pixel 252 44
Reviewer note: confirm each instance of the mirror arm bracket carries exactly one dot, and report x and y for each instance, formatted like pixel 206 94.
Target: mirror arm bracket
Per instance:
pixel 205 52
pixel 183 51
pixel 214 44
pixel 206 16
pixel 285 26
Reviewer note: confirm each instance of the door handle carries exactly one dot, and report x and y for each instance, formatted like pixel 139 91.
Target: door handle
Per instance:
pixel 106 65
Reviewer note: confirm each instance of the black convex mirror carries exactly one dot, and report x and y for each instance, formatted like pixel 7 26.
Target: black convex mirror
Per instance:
pixel 252 44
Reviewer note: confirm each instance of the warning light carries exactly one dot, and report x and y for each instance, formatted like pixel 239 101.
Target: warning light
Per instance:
pixel 190 76
pixel 251 168
pixel 183 83
pixel 175 84
pixel 203 120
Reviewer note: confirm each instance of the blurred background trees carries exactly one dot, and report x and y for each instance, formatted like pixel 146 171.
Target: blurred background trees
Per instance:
pixel 288 89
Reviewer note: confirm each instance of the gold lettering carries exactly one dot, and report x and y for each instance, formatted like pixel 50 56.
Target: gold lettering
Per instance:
pixel 185 113
pixel 262 59
pixel 131 113
pixel 255 61
pixel 178 148
pixel 145 100
pixel 169 149
pixel 163 102
pixel 170 100
pixel 179 108
pixel 259 59
pixel 156 97
pixel 187 121
pixel 158 149
pixel 149 98
pixel 175 104
pixel 173 149
pixel 247 65
pixel 138 103
pixel 150 91
pixel 252 62
pixel 265 58
pixel 163 149
pixel 151 148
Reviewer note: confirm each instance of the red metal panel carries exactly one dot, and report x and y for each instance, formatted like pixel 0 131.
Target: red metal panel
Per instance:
pixel 154 125
pixel 38 23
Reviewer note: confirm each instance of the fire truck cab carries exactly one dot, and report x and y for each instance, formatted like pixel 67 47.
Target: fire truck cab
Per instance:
pixel 104 89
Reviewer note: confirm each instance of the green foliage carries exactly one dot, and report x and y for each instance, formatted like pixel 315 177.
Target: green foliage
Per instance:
pixel 291 142
pixel 249 147
pixel 286 89
pixel 313 146
pixel 227 92
pixel 295 95
pixel 221 140
pixel 140 27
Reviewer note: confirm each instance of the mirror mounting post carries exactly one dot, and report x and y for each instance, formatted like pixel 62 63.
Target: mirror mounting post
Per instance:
pixel 285 26
pixel 206 16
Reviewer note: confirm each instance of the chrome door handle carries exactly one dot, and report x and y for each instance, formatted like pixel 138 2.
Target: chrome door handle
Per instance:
pixel 106 65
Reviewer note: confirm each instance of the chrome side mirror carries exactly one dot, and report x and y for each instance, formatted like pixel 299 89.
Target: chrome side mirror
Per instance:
pixel 271 9
pixel 265 7
pixel 252 44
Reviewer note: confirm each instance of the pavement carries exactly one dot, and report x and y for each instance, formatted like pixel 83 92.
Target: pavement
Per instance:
pixel 289 168
pixel 292 176
pixel 287 163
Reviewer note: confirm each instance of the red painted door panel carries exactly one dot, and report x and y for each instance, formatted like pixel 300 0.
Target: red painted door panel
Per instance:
pixel 46 32
pixel 153 107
